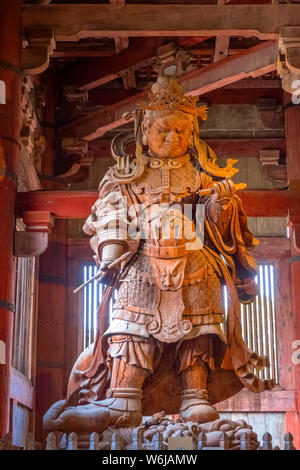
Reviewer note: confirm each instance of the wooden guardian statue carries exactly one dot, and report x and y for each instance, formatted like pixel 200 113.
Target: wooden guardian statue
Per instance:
pixel 169 231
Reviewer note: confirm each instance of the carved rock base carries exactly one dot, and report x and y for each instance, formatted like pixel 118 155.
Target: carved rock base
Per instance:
pixel 153 434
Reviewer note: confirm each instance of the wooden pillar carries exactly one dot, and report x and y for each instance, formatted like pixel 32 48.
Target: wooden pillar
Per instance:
pixel 293 419
pixel 292 133
pixel 48 160
pixel 10 59
pixel 50 371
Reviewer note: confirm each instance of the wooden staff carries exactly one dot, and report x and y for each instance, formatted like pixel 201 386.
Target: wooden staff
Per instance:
pixel 209 191
pixel 99 274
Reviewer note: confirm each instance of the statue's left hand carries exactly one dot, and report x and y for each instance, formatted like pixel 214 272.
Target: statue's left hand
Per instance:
pixel 224 190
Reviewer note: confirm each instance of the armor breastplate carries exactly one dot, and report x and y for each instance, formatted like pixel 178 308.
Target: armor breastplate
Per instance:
pixel 175 176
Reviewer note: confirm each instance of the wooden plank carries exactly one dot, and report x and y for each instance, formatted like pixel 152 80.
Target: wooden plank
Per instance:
pixel 74 22
pixel 21 389
pixel 244 147
pixel 272 248
pixel 77 204
pixel 246 401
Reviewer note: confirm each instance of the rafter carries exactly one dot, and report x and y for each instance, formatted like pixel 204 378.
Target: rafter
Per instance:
pixel 254 61
pixel 73 22
pixel 95 72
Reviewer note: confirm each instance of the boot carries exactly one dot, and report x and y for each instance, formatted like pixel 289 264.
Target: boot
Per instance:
pixel 124 406
pixel 195 406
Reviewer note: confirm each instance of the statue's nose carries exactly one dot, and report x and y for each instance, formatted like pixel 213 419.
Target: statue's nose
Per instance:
pixel 172 137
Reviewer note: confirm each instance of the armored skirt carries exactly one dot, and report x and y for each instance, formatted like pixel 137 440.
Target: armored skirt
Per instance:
pixel 183 306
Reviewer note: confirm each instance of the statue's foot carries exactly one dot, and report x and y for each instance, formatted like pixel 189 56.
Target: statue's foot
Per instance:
pixel 121 408
pixel 80 419
pixel 124 406
pixel 195 407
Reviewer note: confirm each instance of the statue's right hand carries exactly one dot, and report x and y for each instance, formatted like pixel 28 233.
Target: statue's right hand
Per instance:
pixel 108 275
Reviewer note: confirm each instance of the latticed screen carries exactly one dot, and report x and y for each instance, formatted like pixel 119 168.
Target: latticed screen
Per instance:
pixel 257 318
pixel 24 317
pixel 92 297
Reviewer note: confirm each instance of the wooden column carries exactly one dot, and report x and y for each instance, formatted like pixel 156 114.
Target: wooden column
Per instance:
pixel 292 135
pixel 10 59
pixel 48 160
pixel 293 419
pixel 51 325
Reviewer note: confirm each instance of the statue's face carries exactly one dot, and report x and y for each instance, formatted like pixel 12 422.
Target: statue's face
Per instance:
pixel 168 133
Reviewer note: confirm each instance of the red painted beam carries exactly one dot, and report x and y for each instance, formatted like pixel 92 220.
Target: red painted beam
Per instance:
pixel 77 204
pixel 239 148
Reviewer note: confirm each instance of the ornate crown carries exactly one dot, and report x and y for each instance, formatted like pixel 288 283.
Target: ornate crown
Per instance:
pixel 167 93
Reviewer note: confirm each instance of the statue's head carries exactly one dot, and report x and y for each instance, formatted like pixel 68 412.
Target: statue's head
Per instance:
pixel 169 119
pixel 167 123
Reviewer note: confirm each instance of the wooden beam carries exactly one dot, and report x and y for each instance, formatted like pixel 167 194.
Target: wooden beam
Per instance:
pixel 95 72
pixel 74 22
pixel 77 204
pixel 272 248
pixel 239 148
pixel 225 95
pixel 251 62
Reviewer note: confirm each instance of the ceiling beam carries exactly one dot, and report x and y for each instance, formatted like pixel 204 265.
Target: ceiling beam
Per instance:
pixel 77 204
pixel 74 22
pixel 95 72
pixel 254 61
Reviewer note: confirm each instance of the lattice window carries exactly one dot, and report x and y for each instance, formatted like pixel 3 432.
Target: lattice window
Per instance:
pixel 92 297
pixel 257 318
pixel 259 322
pixel 24 316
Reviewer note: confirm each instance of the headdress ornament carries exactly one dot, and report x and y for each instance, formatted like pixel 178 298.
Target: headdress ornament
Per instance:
pixel 167 94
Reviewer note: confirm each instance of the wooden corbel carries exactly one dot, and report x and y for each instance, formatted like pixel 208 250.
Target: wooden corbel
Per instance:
pixel 288 65
pixel 34 240
pixel 274 171
pixel 39 45
pixel 293 223
pixel 73 146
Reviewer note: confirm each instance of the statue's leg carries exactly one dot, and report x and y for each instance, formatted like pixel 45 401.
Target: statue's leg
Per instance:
pixel 195 359
pixel 130 361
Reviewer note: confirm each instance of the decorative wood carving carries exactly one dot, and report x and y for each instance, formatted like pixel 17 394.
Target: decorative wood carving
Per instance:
pixel 33 241
pixel 289 63
pixel 40 44
pixel 80 154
